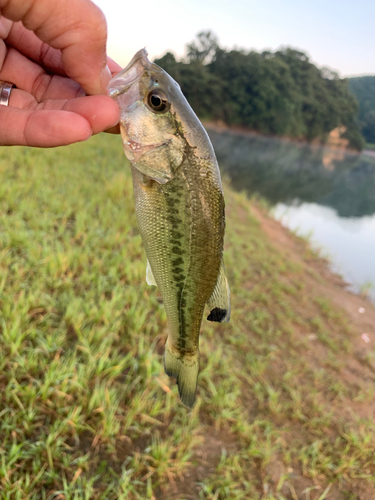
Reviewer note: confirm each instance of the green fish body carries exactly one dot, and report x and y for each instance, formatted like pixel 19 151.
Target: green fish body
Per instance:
pixel 180 209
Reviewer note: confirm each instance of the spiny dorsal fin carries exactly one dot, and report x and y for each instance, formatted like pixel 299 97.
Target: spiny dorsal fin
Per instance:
pixel 219 302
pixel 149 275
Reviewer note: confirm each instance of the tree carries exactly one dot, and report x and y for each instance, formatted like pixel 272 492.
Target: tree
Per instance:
pixel 203 48
pixel 364 90
pixel 280 93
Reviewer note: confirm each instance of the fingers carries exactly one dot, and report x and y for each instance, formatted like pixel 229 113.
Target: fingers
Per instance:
pixel 26 42
pixel 54 122
pixel 41 128
pixel 101 112
pixel 5 26
pixel 29 76
pixel 69 38
pixel 76 27
pixel 113 66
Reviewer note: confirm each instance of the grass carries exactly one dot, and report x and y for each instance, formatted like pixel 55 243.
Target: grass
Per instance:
pixel 367 288
pixel 86 411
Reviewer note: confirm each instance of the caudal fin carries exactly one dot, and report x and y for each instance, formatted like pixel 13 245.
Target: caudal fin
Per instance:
pixel 185 370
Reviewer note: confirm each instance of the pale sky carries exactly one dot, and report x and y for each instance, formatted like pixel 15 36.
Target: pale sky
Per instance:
pixel 339 34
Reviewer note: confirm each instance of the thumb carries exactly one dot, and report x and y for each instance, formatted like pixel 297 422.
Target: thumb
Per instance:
pixel 76 27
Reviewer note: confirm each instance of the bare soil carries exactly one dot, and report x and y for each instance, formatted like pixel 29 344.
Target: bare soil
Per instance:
pixel 332 286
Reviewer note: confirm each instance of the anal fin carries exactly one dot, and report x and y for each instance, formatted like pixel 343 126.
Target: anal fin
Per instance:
pixel 150 276
pixel 219 302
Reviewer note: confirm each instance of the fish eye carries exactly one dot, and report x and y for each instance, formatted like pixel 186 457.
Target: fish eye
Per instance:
pixel 157 101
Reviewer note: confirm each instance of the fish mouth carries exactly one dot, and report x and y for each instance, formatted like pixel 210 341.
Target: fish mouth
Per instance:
pixel 129 75
pixel 138 150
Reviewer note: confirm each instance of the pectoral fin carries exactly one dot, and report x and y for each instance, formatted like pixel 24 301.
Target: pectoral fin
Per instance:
pixel 219 302
pixel 153 174
pixel 149 275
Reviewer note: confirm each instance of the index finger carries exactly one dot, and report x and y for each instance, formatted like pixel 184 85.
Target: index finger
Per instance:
pixel 26 42
pixel 76 27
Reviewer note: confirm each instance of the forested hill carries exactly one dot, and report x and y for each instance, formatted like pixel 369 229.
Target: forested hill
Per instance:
pixel 279 93
pixel 364 89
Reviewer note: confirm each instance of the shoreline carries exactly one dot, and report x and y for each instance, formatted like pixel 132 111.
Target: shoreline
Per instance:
pixel 368 152
pixel 329 154
pixel 243 131
pixel 321 279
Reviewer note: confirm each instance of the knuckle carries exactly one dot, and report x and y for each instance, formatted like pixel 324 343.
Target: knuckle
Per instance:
pixel 40 86
pixel 45 53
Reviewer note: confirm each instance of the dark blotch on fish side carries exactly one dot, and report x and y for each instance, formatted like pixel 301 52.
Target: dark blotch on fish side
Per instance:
pixel 172 211
pixel 217 314
pixel 171 202
pixel 175 221
pixel 182 306
pixel 177 250
pixel 176 235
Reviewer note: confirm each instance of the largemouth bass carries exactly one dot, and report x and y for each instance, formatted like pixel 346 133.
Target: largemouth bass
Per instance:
pixel 179 206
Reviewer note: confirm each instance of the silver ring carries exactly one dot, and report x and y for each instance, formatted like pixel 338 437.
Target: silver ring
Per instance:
pixel 5 90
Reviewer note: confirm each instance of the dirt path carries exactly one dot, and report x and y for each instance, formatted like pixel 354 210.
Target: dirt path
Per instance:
pixel 360 312
pixel 334 286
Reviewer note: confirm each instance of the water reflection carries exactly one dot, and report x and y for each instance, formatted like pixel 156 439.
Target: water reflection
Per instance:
pixel 283 171
pixel 348 242
pixel 328 192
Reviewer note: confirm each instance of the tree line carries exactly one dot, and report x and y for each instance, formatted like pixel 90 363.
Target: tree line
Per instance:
pixel 277 93
pixel 364 89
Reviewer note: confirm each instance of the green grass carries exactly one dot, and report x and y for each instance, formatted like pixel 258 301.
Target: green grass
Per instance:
pixel 86 411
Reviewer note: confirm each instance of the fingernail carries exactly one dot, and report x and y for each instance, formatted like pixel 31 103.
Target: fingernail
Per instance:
pixel 104 78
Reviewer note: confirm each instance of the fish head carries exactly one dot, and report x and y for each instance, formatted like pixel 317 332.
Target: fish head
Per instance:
pixel 151 130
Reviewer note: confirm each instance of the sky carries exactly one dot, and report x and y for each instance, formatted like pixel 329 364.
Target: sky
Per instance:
pixel 339 34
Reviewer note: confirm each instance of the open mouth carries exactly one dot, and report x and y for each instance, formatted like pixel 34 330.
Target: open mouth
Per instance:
pixel 121 83
pixel 139 150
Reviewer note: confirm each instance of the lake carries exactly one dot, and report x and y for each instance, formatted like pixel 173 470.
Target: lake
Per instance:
pixel 324 193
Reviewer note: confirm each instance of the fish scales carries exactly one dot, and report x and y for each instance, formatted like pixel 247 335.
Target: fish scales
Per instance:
pixel 184 248
pixel 179 206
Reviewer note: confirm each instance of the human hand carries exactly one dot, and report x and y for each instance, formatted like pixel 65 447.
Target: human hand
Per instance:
pixel 54 52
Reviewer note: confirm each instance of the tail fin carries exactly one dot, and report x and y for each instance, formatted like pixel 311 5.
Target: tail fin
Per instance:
pixel 185 370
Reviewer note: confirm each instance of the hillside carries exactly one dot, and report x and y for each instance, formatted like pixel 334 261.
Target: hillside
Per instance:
pixel 285 406
pixel 364 89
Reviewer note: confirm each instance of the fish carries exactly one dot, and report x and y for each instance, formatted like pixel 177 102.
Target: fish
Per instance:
pixel 179 206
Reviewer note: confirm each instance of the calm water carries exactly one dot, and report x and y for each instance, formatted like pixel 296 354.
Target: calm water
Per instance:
pixel 327 194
